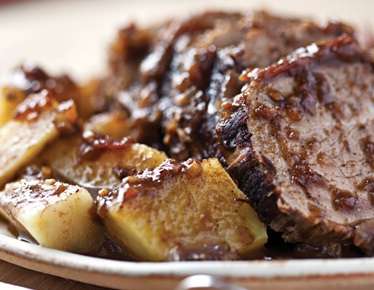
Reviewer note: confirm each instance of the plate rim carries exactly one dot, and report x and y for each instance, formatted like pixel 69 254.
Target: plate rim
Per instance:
pixel 11 247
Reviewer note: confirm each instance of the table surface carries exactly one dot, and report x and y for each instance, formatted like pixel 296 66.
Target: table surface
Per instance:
pixel 33 280
pixel 54 42
pixel 26 40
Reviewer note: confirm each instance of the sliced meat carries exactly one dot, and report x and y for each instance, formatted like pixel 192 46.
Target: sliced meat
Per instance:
pixel 151 94
pixel 299 140
pixel 182 71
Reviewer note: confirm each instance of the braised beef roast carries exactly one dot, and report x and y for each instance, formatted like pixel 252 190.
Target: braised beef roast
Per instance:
pixel 297 135
pixel 174 78
pixel 300 140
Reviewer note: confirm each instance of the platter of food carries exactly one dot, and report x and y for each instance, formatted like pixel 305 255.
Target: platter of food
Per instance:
pixel 234 144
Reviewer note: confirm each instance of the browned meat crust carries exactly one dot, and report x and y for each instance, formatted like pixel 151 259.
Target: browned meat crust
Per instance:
pixel 303 172
pixel 299 140
pixel 174 78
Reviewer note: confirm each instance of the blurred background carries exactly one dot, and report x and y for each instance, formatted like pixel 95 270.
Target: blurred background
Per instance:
pixel 73 35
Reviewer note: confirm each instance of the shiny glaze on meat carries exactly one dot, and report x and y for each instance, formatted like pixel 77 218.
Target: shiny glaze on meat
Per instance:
pixel 302 144
pixel 184 72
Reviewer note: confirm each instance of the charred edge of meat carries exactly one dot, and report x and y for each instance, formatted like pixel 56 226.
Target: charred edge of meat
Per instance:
pixel 252 177
pixel 341 49
pixel 254 174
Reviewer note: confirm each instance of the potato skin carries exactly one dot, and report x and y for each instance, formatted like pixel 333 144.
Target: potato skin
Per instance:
pixel 181 211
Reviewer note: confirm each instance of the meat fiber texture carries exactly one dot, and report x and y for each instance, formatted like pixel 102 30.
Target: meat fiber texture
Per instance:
pixel 173 79
pixel 303 145
pixel 297 137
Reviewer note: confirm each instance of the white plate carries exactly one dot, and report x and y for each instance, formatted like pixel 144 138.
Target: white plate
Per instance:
pixel 308 274
pixel 72 36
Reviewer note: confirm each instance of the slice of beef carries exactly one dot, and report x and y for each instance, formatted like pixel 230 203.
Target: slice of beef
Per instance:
pixel 299 140
pixel 264 39
pixel 174 77
pixel 148 67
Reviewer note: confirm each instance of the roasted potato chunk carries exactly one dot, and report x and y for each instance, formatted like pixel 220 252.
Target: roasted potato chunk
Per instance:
pixel 36 124
pixel 10 98
pixel 90 100
pixel 55 214
pixel 105 169
pixel 178 211
pixel 113 124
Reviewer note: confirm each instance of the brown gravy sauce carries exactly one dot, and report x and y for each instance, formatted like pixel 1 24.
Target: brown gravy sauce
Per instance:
pixel 94 144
